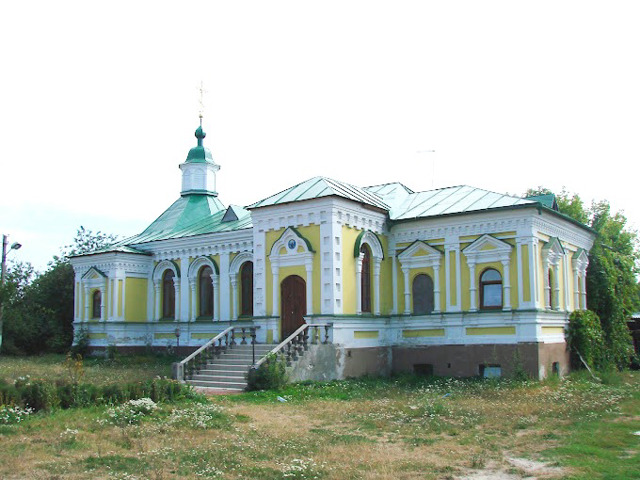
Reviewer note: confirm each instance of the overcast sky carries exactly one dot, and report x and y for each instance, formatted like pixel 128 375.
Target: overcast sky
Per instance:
pixel 98 103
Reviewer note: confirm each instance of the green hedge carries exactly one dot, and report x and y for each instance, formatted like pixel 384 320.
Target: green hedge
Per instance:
pixel 44 395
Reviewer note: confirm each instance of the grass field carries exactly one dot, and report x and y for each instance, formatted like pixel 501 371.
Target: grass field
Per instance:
pixel 400 428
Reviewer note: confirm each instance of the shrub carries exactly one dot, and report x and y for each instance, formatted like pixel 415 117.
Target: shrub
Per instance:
pixel 131 413
pixel 39 395
pixel 585 338
pixel 271 375
pixel 81 342
pixel 12 415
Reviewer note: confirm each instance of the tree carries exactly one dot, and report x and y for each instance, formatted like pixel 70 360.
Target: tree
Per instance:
pixel 612 286
pixel 39 307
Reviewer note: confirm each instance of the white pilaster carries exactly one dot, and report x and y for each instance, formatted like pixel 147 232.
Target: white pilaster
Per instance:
pixel 472 286
pixel 176 309
pixel 506 286
pixel 407 291
pixel 194 299
pixel 458 280
pixel 583 288
pixel 234 296
pixel 86 304
pixel 359 284
pixel 103 300
pixel 394 275
pixel 436 289
pixel 447 277
pixel 376 285
pixel 158 313
pixel 216 300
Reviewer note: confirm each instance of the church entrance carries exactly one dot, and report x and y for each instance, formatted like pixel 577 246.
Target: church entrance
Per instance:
pixel 293 294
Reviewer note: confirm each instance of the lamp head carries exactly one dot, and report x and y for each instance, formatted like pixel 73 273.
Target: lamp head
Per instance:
pixel 15 246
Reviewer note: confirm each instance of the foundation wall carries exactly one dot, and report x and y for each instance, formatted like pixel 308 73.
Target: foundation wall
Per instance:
pixel 356 362
pixel 467 360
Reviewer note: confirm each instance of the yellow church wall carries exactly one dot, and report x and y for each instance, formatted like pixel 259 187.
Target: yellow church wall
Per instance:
pixel 452 277
pixel 136 300
pixel 386 283
pixel 120 296
pixel 349 236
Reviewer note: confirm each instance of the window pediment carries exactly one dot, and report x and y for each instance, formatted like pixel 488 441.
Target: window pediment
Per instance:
pixel 420 254
pixel 552 251
pixel 487 249
pixel 291 249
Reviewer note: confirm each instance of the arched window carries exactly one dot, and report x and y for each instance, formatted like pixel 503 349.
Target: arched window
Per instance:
pixel 365 285
pixel 205 290
pixel 96 310
pixel 168 295
pixel 246 288
pixel 422 290
pixel 490 289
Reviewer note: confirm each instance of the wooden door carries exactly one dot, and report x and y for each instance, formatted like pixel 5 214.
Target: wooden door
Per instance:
pixel 293 294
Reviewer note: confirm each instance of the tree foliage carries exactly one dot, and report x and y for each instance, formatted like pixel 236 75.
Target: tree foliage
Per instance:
pixel 38 314
pixel 612 286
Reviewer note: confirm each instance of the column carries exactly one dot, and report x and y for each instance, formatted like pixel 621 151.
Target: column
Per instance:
pixel 309 270
pixel 76 300
pixel 394 276
pixel 376 285
pixel 194 299
pixel 547 287
pixel 556 288
pixel 472 286
pixel 116 299
pixel 436 289
pixel 234 296
pixel 86 304
pixel 158 313
pixel 532 244
pixel 103 300
pixel 214 282
pixel 407 291
pixel 576 289
pixel 506 286
pixel 565 277
pixel 359 284
pixel 176 286
pixel 275 308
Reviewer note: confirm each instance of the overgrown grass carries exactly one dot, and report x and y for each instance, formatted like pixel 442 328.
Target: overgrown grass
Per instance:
pixel 404 427
pixel 97 370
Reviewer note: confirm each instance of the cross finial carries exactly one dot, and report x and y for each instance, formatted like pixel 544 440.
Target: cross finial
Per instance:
pixel 202 91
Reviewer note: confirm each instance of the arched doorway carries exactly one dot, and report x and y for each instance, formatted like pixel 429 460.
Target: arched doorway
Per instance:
pixel 293 294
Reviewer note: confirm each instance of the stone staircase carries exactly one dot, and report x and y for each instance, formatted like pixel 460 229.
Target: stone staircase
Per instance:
pixel 229 370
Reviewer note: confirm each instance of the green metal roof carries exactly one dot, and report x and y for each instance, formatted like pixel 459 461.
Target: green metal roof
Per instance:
pixel 548 200
pixel 192 215
pixel 319 187
pixel 445 201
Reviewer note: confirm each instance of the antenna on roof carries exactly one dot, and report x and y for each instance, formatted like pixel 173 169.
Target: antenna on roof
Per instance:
pixel 433 166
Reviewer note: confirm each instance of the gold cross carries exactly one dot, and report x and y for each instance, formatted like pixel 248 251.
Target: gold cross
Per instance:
pixel 201 100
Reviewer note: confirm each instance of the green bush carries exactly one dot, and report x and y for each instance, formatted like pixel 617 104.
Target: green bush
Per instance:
pixel 585 338
pixel 39 395
pixel 271 375
pixel 43 395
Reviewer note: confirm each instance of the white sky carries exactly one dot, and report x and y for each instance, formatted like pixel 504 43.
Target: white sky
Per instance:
pixel 98 102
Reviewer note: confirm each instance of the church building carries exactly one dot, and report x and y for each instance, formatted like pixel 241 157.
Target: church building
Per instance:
pixel 456 281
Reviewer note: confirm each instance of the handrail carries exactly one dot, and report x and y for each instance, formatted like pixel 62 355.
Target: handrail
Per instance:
pixel 207 345
pixel 288 340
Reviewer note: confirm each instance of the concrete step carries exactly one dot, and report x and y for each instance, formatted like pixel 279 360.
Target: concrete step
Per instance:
pixel 239 386
pixel 213 369
pixel 219 378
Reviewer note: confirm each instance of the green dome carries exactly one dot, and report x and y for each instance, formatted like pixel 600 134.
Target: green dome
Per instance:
pixel 200 154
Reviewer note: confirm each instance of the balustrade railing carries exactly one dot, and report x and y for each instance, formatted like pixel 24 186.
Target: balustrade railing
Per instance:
pixel 298 342
pixel 225 340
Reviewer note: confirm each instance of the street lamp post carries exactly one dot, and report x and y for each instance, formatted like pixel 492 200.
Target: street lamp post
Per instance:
pixel 5 252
